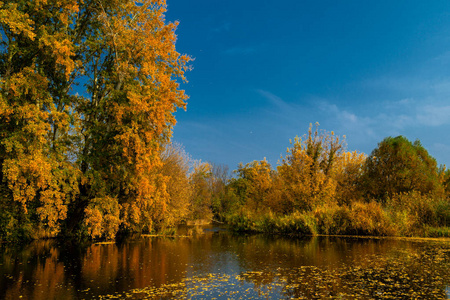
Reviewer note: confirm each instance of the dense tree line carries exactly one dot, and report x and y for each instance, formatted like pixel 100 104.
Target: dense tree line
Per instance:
pixel 320 188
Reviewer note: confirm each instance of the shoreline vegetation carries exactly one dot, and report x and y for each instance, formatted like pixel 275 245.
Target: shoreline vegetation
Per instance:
pixel 88 95
pixel 319 189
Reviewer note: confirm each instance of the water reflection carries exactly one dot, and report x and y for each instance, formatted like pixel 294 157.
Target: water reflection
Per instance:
pixel 222 265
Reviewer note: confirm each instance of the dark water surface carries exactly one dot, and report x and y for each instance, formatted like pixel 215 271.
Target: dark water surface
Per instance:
pixel 221 265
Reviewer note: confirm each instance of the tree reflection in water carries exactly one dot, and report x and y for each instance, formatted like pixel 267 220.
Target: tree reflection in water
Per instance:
pixel 224 265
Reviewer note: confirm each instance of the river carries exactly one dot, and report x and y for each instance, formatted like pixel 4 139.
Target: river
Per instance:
pixel 221 265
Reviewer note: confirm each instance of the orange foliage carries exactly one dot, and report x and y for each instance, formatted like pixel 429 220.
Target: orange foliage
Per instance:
pixel 98 153
pixel 137 103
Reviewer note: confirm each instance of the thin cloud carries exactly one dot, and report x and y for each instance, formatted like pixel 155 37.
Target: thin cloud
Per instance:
pixel 434 115
pixel 425 88
pixel 343 115
pixel 275 100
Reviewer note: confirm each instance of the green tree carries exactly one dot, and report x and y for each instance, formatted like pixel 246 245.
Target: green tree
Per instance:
pixel 399 166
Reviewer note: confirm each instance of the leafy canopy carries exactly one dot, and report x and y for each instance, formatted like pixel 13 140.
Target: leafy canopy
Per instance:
pixel 399 166
pixel 88 91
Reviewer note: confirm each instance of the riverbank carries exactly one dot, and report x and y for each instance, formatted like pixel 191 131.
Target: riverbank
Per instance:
pixel 359 219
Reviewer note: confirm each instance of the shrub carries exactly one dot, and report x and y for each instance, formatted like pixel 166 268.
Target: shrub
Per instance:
pixel 437 232
pixel 324 216
pixel 442 212
pixel 342 220
pixel 403 222
pixel 370 219
pixel 241 221
pixel 295 223
pixel 423 209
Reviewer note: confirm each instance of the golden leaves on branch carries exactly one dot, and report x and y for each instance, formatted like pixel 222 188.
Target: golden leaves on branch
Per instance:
pixel 99 152
pixel 18 22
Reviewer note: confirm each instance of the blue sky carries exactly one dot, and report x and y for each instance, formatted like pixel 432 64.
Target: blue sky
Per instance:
pixel 265 70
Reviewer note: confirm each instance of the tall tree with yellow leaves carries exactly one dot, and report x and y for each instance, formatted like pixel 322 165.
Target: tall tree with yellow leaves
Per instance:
pixel 254 184
pixel 133 66
pixel 37 69
pixel 88 92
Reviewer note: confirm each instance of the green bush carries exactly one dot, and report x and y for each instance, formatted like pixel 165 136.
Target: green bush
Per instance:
pixel 295 224
pixel 241 221
pixel 437 232
pixel 334 220
pixel 442 213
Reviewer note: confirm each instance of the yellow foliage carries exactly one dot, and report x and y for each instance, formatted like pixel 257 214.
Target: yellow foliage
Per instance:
pixel 257 178
pixel 176 167
pixel 102 218
pixel 371 219
pixel 200 182
pixel 306 170
pixel 17 21
pixel 347 172
pixel 59 149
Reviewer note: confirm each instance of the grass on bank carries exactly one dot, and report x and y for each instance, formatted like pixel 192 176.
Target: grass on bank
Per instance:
pixel 406 215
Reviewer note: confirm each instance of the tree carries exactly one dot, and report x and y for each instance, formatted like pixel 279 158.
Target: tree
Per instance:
pixel 219 191
pixel 200 178
pixel 254 184
pixel 347 172
pixel 175 166
pixel 37 69
pixel 399 166
pixel 87 95
pixel 134 93
pixel 307 168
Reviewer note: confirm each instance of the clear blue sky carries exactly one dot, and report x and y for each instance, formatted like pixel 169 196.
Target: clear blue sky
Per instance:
pixel 265 70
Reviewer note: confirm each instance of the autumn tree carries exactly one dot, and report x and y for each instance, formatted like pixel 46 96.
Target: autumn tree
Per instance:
pixel 347 173
pixel 253 184
pixel 87 95
pixel 37 144
pixel 307 167
pixel 399 166
pixel 221 196
pixel 199 179
pixel 175 166
pixel 134 93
